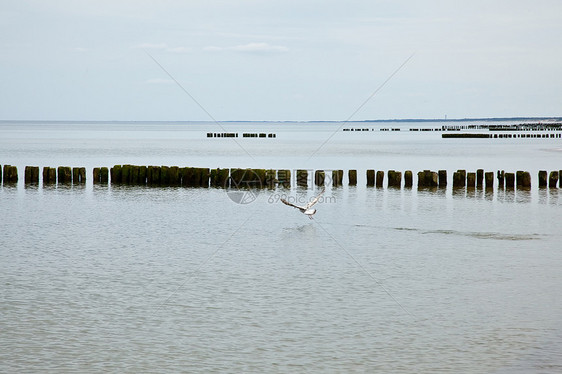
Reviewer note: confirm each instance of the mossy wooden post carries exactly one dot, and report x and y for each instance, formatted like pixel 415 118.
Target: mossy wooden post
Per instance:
pixel 126 174
pixel 135 172
pixel 509 180
pixel 379 179
pixel 526 180
pixel 236 178
pixel 471 180
pixel 49 175
pixel 319 177
pixel 116 174
pixel 442 175
pixel 142 175
pixel 46 176
pixel 270 178
pixel 553 179
pixel 10 174
pixel 219 178
pixel 75 175
pixel 337 178
pixel 352 177
pixel 370 178
pixel 459 179
pixel 104 175
pixel 479 178
pixel 1 179
pixel 96 177
pixel 202 177
pixel 261 175
pixel 543 179
pixel 302 178
pixel 175 179
pixel 284 178
pixel 32 174
pixel 428 178
pixel 394 179
pixel 489 180
pixel 64 174
pixel 408 179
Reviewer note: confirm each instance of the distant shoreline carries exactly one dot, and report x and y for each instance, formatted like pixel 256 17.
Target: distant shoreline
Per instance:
pixel 407 120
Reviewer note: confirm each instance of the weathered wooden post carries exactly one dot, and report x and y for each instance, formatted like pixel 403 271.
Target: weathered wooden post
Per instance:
pixel 219 178
pixel 142 175
pixel 501 179
pixel 78 175
pixel 459 179
pixel 394 179
pixel 509 180
pixel 302 178
pixel 175 178
pixel 32 174
pixel 442 174
pixel 370 178
pixel 479 177
pixel 1 179
pixel 203 177
pixel 270 178
pixel 49 175
pixel 380 179
pixel 95 175
pixel 543 178
pixel 337 178
pixel 470 180
pixel 104 175
pixel 64 174
pixel 352 177
pixel 116 174
pixel 134 179
pixel 319 177
pixel 284 178
pixel 408 179
pixel 260 175
pixel 489 180
pixel 10 174
pixel 526 183
pixel 553 179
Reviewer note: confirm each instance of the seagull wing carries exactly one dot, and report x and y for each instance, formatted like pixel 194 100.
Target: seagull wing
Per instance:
pixel 302 209
pixel 315 199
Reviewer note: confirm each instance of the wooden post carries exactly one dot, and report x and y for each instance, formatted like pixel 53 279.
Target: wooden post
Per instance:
pixel 370 178
pixel 543 179
pixel 352 176
pixel 319 177
pixel 553 179
pixel 442 178
pixel 394 179
pixel 408 179
pixel 380 179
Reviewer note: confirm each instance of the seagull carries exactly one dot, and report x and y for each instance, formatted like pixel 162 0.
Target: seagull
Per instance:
pixel 306 209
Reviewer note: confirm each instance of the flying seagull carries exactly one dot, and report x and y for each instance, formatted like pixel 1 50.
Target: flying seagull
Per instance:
pixel 306 209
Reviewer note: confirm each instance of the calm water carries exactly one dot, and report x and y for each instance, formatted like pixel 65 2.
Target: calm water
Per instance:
pixel 121 279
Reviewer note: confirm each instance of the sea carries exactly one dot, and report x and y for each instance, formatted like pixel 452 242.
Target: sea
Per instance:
pixel 136 279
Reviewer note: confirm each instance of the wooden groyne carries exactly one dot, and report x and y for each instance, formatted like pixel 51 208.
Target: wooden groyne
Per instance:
pixel 244 135
pixel 174 176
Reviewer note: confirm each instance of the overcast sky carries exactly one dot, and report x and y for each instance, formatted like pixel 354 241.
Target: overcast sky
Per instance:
pixel 279 59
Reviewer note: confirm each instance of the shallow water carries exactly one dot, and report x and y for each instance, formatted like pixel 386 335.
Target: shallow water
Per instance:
pixel 131 279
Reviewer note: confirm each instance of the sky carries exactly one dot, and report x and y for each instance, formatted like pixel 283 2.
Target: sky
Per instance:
pixel 279 59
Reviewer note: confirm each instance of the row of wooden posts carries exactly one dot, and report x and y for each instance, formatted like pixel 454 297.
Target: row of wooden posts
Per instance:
pixel 204 177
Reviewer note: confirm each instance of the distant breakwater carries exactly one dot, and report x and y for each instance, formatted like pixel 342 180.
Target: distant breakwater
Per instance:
pixel 174 176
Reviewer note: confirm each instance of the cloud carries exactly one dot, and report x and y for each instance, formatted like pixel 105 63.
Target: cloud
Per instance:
pixel 250 48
